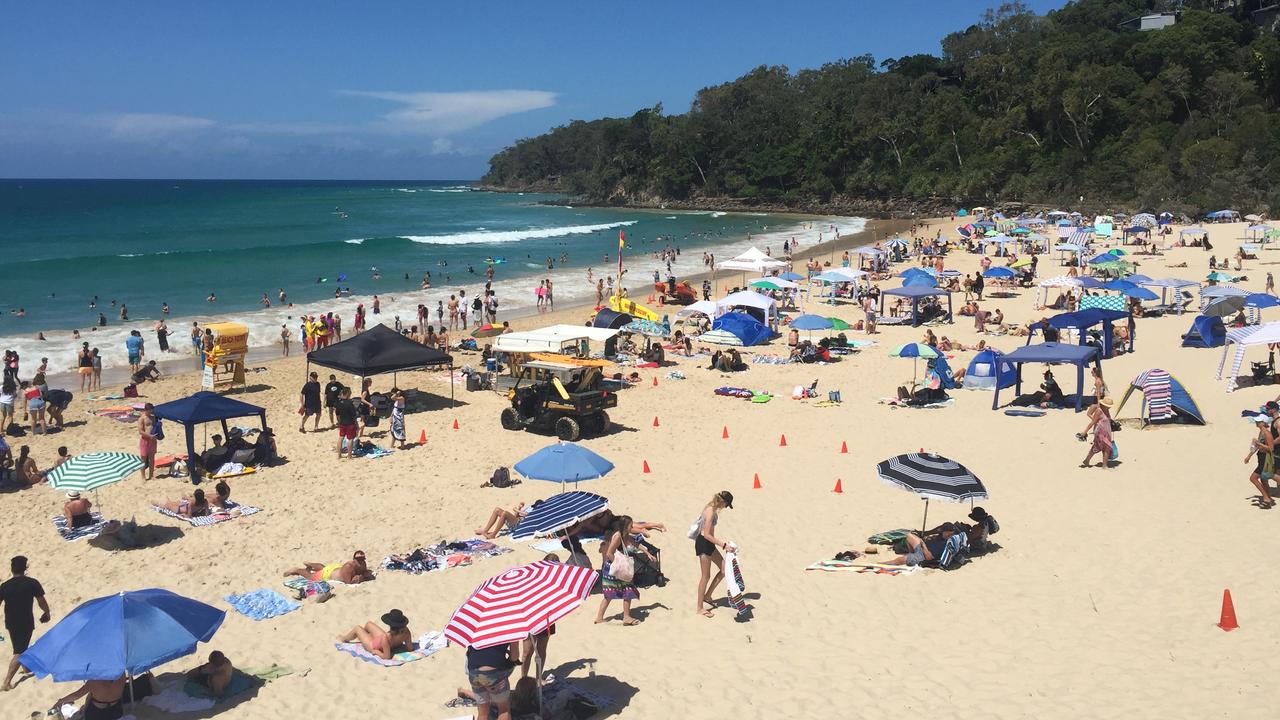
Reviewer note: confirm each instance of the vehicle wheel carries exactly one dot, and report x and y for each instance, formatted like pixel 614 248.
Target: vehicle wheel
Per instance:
pixel 567 429
pixel 602 422
pixel 510 421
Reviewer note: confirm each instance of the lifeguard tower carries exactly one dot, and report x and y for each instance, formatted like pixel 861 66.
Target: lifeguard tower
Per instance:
pixel 224 366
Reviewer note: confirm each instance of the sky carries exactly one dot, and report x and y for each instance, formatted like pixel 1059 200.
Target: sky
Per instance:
pixel 403 90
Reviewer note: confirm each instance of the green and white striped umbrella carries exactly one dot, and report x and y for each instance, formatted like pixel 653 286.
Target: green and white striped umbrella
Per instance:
pixel 91 471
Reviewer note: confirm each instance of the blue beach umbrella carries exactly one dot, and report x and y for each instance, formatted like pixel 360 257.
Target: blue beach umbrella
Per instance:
pixel 1090 283
pixel 562 463
pixel 793 277
pixel 1128 289
pixel 124 634
pixel 811 322
pixel 557 513
pixel 1261 300
pixel 914 351
pixel 1000 273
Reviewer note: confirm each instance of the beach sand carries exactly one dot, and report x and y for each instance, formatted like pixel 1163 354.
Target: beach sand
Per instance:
pixel 1101 602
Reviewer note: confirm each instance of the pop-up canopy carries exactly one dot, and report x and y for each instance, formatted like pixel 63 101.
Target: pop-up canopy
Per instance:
pixel 204 407
pixel 1052 353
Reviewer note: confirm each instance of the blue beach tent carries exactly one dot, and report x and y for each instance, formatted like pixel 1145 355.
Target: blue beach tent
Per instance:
pixel 744 327
pixel 1205 332
pixel 981 373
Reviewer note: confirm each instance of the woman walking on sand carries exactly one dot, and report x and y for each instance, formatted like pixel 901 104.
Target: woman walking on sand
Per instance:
pixel 1101 434
pixel 619 545
pixel 707 548
pixel 1263 447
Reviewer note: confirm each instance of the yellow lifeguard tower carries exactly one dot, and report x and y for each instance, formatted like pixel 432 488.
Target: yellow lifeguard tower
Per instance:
pixel 224 366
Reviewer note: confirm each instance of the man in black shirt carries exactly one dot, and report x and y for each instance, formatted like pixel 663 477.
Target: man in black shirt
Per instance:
pixel 311 403
pixel 347 427
pixel 331 391
pixel 18 594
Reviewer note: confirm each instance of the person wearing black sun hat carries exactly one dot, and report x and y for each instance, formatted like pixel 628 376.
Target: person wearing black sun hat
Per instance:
pixel 382 643
pixel 707 547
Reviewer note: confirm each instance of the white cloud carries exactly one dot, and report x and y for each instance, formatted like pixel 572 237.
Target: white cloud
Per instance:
pixel 443 113
pixel 142 127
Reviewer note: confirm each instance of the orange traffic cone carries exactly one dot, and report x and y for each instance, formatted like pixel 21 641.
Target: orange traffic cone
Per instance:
pixel 422 438
pixel 724 434
pixel 655 381
pixel 756 484
pixel 455 423
pixel 646 467
pixel 1228 619
pixel 655 421
pixel 783 441
pixel 844 448
pixel 838 489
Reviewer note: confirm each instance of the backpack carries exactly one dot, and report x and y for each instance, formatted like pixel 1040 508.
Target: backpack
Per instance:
pixel 501 478
pixel 131 390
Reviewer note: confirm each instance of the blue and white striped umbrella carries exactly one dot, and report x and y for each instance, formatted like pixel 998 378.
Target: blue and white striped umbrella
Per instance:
pixel 90 471
pixel 558 512
pixel 931 476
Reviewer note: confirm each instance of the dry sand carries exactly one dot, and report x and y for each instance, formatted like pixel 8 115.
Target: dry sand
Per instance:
pixel 1101 602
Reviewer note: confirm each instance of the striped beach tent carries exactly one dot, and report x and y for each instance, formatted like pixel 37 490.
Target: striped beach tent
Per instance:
pixel 558 512
pixel 90 471
pixel 520 602
pixel 1164 399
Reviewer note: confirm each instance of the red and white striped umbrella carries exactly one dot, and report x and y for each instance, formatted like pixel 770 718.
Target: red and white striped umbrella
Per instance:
pixel 520 602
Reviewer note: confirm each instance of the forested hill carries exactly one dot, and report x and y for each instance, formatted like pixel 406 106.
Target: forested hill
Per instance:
pixel 1018 107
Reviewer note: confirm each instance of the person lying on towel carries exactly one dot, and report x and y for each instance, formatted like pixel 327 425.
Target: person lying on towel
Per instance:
pixel 351 572
pixel 921 550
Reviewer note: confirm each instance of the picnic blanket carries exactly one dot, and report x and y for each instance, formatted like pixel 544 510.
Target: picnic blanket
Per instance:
pixel 87 531
pixel 230 513
pixel 426 646
pixel 861 567
pixel 119 413
pixel 442 556
pixel 261 604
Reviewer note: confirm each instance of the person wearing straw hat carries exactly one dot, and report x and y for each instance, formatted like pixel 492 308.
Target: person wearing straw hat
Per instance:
pixel 1101 428
pixel 76 510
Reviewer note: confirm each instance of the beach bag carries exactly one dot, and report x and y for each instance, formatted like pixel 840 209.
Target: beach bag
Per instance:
pixel 1115 451
pixel 158 429
pixel 1268 467
pixel 131 391
pixel 696 528
pixel 623 568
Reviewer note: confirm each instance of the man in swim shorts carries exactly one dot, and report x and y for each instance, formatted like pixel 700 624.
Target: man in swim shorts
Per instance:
pixel 352 572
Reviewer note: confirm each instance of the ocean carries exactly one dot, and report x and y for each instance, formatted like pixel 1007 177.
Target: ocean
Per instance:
pixel 142 244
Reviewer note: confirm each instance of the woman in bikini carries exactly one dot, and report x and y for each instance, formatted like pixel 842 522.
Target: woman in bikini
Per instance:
pixel 500 517
pixel 194 506
pixel 382 643
pixel 707 548
pixel 619 541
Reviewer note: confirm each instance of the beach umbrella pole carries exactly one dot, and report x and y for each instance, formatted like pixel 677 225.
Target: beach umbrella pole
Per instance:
pixel 924 524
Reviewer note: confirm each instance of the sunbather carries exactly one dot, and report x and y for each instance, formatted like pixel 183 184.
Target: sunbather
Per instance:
pixel 382 643
pixel 103 699
pixel 76 511
pixel 352 572
pixel 194 506
pixel 214 675
pixel 221 495
pixel 500 517
pixel 921 550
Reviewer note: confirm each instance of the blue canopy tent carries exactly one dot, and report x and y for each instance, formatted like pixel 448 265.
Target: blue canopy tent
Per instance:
pixel 1082 320
pixel 917 292
pixel 606 318
pixel 1052 353
pixel 744 327
pixel 920 280
pixel 204 407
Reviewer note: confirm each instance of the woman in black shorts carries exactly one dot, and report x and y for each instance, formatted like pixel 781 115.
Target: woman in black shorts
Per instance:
pixel 707 547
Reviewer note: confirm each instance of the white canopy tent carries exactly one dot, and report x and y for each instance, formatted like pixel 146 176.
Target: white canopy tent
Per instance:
pixel 1243 339
pixel 555 338
pixel 751 299
pixel 702 307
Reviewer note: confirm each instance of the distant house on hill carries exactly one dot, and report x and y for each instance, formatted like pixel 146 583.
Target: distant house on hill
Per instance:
pixel 1154 21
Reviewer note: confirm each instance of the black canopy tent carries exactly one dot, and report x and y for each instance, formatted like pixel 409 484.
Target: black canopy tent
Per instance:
pixel 380 350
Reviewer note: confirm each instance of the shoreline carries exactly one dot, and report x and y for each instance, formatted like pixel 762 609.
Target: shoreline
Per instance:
pixel 521 319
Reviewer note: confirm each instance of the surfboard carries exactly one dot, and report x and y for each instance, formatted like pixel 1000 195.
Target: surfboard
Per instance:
pixel 569 360
pixel 632 308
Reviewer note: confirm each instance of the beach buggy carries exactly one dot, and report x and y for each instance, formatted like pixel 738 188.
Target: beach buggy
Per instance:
pixel 561 397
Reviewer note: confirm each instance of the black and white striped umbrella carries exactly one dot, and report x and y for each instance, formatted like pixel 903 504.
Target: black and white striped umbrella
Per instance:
pixel 931 476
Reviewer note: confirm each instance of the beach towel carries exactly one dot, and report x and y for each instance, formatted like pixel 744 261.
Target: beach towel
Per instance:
pixel 261 604
pixel 897 403
pixel 442 556
pixel 736 392
pixel 426 646
pixel 87 531
pixel 240 683
pixel 733 582
pixel 1024 413
pixel 862 567
pixel 172 698
pixel 372 452
pixel 214 517
pixel 888 537
pixel 230 470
